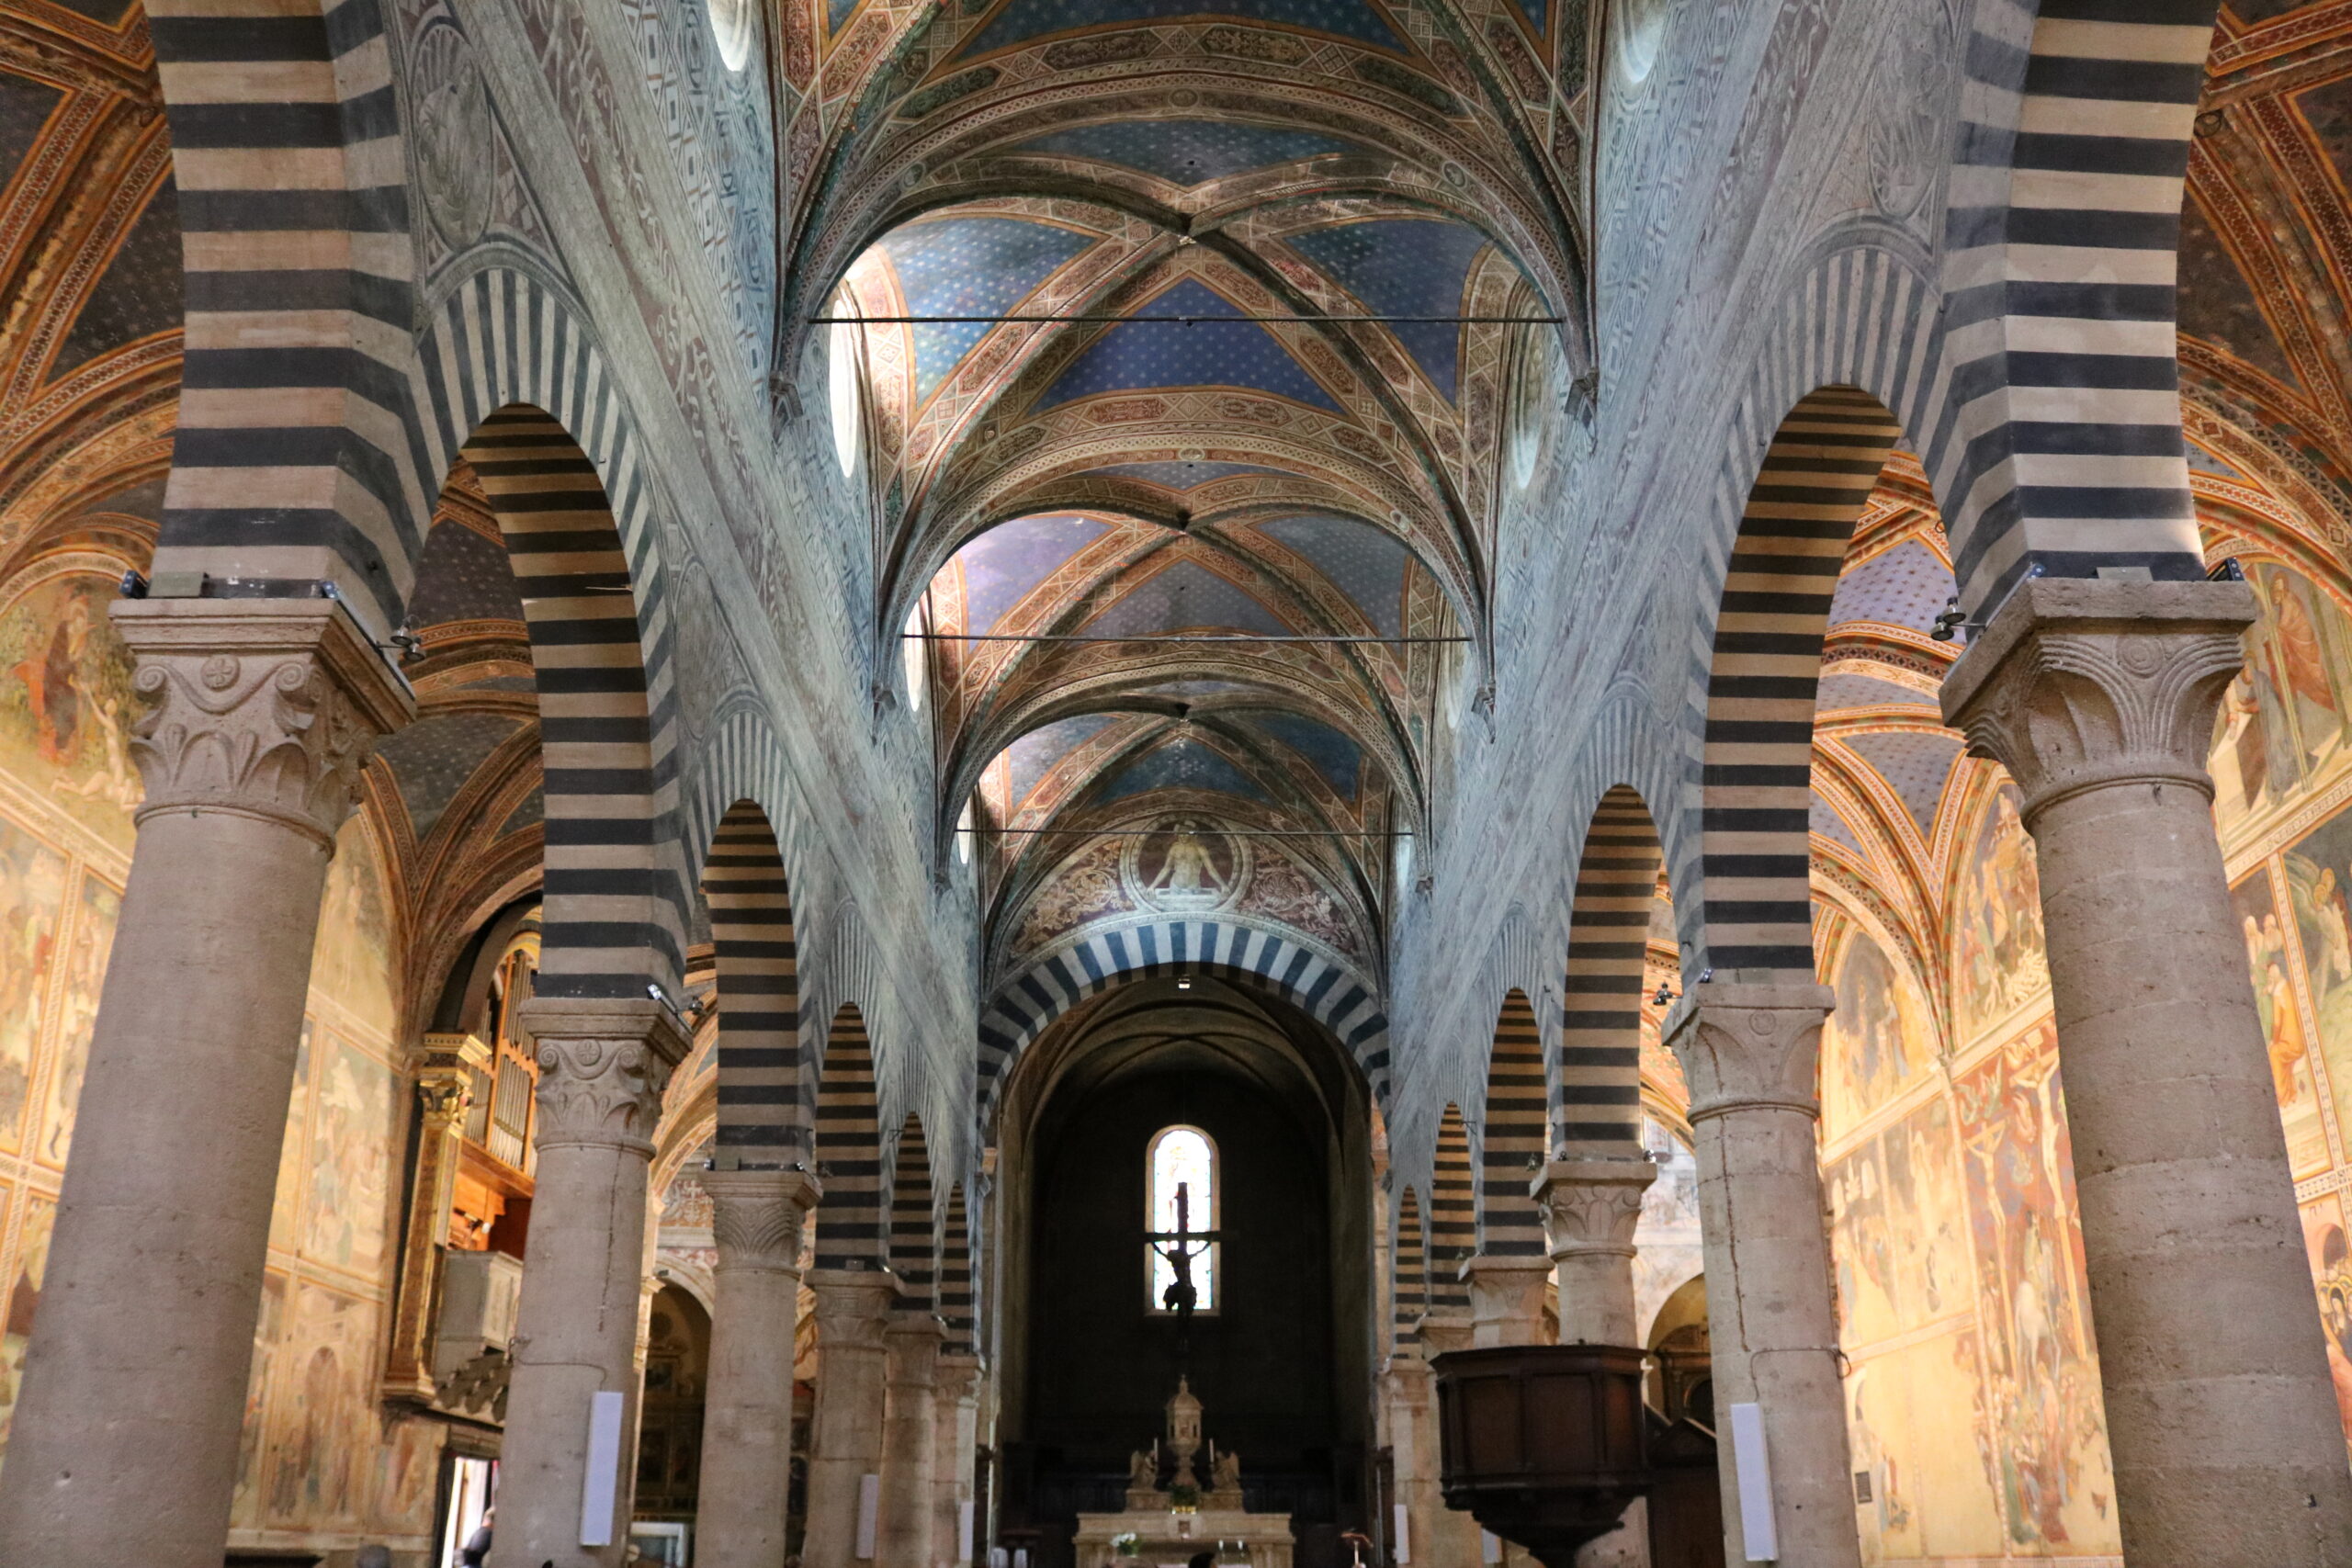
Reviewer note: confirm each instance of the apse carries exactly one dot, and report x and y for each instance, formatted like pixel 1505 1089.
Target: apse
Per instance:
pixel 1255 1110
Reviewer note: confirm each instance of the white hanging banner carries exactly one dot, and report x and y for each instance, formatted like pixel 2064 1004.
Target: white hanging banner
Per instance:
pixel 1401 1526
pixel 1759 1532
pixel 600 1487
pixel 869 1511
pixel 964 1530
pixel 1490 1547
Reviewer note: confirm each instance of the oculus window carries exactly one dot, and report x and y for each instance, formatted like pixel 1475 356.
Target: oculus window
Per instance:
pixel 1181 1162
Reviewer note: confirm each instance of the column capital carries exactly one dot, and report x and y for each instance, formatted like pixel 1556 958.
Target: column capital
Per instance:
pixel 444 1066
pixel 1591 1206
pixel 257 708
pixel 2078 685
pixel 757 1215
pixel 852 1305
pixel 1440 1332
pixel 603 1064
pixel 1749 1045
pixel 958 1376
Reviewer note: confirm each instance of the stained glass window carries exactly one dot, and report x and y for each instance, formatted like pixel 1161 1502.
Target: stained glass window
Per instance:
pixel 1181 1160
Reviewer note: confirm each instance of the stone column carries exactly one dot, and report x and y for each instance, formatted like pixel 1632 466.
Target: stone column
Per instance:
pixel 603 1064
pixel 1443 1536
pixel 2098 697
pixel 1506 1299
pixel 910 1425
pixel 845 1441
pixel 1590 1207
pixel 1748 1051
pixel 747 1409
pixel 124 1445
pixel 1413 1454
pixel 444 1093
pixel 957 1396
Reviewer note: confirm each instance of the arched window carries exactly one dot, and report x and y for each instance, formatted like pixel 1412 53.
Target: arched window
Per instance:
pixel 1182 1215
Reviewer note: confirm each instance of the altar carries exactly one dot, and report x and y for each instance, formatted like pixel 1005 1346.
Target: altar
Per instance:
pixel 1175 1521
pixel 1165 1539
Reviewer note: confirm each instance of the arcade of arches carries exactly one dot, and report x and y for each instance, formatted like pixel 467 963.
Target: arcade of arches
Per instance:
pixel 760 758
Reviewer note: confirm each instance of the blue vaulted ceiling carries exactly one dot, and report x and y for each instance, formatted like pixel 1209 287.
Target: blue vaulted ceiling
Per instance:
pixel 1226 353
pixel 1182 764
pixel 1186 596
pixel 1188 152
pixel 1404 267
pixel 1023 19
pixel 1366 565
pixel 969 266
pixel 1004 565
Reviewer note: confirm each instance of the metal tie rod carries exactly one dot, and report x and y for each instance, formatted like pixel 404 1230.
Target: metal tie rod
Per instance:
pixel 1177 321
pixel 1214 637
pixel 1149 832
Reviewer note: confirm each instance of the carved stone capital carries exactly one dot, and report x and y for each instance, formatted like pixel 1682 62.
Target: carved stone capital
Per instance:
pixel 445 1069
pixel 257 708
pixel 756 1216
pixel 1593 1205
pixel 1440 1334
pixel 853 1305
pixel 1747 1045
pixel 603 1064
pixel 958 1376
pixel 2079 686
pixel 913 1340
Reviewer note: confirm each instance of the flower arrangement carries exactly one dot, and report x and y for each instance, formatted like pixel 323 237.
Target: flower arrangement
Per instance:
pixel 1124 1543
pixel 1183 1498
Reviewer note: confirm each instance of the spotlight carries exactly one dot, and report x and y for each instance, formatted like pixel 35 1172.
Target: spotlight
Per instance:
pixel 1184 985
pixel 1664 999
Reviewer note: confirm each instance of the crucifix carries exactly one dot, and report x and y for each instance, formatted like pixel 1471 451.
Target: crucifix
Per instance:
pixel 1182 1295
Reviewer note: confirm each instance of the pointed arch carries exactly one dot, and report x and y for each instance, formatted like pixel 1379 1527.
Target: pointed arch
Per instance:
pixel 1454 1217
pixel 849 1149
pixel 1509 1225
pixel 615 919
pixel 1600 1111
pixel 1409 1253
pixel 914 1231
pixel 1756 781
pixel 759 992
pixel 958 1307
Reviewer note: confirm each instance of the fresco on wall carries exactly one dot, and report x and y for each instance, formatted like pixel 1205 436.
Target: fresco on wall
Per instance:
pixel 2319 875
pixel 97 907
pixel 1900 1246
pixel 353 961
pixel 2283 719
pixel 1877 1042
pixel 32 899
pixel 351 1146
pixel 2041 1388
pixel 2294 1081
pixel 244 1505
pixel 404 1487
pixel 1899 1227
pixel 286 1200
pixel 2331 1259
pixel 66 703
pixel 1998 963
pixel 24 1298
pixel 322 1423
